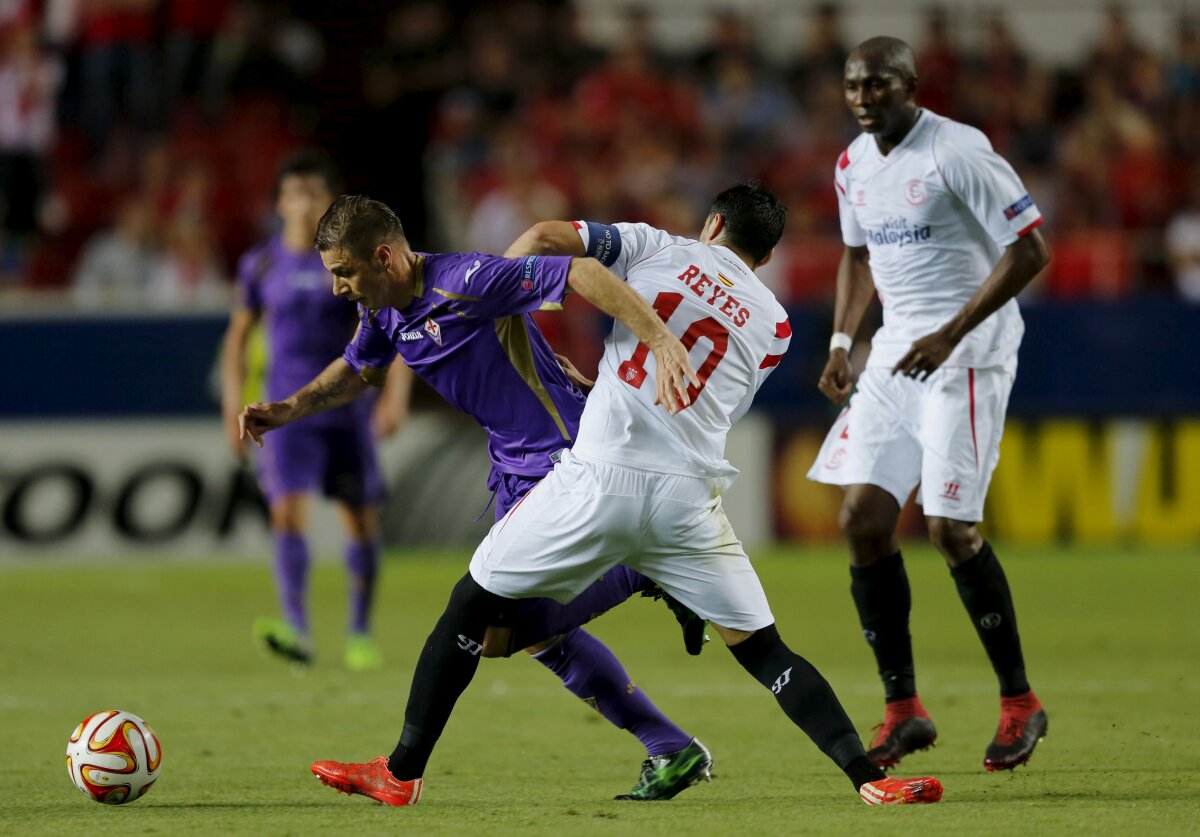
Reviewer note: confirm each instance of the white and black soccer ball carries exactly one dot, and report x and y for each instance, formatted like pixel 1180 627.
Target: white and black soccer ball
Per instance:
pixel 113 757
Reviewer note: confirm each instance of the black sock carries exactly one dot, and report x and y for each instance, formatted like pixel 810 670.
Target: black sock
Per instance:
pixel 444 670
pixel 883 598
pixel 807 698
pixel 984 590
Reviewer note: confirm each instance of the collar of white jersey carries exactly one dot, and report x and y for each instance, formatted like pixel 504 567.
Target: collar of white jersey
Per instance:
pixel 732 257
pixel 908 140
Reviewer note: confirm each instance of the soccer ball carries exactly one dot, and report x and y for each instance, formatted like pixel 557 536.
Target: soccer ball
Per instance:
pixel 113 757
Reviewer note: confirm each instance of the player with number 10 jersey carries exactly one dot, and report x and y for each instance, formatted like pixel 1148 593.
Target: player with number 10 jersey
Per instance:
pixel 734 327
pixel 643 486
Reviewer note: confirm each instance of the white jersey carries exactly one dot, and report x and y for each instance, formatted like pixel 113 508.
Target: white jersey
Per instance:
pixel 935 215
pixel 734 328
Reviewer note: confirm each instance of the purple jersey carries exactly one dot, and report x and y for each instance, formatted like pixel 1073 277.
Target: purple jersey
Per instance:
pixel 468 334
pixel 307 326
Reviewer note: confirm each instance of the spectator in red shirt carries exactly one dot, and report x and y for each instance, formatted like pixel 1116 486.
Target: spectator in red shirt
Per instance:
pixel 116 65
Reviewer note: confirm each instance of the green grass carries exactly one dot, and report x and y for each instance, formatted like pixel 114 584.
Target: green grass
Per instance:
pixel 1111 640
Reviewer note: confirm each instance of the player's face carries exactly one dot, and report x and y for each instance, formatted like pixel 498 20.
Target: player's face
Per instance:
pixel 358 280
pixel 878 96
pixel 303 199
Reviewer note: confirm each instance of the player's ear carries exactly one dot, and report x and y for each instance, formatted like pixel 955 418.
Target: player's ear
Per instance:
pixel 713 227
pixel 383 256
pixel 766 259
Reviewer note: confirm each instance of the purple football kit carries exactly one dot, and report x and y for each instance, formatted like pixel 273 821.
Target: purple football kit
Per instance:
pixel 334 452
pixel 307 328
pixel 469 334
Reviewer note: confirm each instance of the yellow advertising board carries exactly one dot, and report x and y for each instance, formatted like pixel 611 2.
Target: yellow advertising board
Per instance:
pixel 1097 482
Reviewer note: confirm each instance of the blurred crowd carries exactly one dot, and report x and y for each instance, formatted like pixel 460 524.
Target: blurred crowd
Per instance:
pixel 138 138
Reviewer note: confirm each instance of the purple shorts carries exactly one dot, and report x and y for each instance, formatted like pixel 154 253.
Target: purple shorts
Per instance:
pixel 509 489
pixel 338 460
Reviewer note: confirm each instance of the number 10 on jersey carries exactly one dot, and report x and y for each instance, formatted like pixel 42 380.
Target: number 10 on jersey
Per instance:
pixel 633 371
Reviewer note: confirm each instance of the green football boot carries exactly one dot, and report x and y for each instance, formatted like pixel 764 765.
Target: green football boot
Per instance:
pixel 362 654
pixel 283 640
pixel 694 628
pixel 666 776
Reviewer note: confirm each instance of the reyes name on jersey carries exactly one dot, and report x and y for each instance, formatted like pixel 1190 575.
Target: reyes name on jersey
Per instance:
pixel 935 215
pixel 734 328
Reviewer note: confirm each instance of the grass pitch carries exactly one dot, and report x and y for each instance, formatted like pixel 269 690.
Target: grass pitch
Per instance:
pixel 1112 642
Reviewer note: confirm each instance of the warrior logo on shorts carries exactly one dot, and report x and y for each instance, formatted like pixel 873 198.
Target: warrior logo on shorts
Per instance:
pixel 781 681
pixel 951 491
pixel 433 330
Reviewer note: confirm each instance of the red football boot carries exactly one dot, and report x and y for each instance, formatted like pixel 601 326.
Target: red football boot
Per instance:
pixel 1023 724
pixel 906 728
pixel 371 779
pixel 890 791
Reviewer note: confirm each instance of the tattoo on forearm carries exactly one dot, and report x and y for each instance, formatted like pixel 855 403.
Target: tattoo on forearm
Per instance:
pixel 324 392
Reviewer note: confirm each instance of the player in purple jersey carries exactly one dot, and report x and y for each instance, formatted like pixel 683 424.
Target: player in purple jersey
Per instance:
pixel 462 322
pixel 283 284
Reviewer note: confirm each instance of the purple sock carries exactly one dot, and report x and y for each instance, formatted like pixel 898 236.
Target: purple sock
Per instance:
pixel 291 578
pixel 544 618
pixel 362 563
pixel 593 674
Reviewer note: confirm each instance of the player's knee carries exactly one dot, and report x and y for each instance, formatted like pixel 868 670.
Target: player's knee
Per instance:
pixel 956 540
pixel 361 522
pixel 286 528
pixel 288 518
pixel 861 522
pixel 731 636
pixel 763 655
pixel 471 604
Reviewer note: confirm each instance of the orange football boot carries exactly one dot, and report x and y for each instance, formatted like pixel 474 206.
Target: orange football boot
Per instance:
pixel 891 791
pixel 370 779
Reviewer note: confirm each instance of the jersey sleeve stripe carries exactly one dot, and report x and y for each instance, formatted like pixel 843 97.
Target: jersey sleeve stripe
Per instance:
pixel 783 329
pixel 839 187
pixel 769 361
pixel 1030 228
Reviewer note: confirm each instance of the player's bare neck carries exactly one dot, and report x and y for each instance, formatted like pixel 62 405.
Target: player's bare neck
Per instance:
pixel 888 143
pixel 407 286
pixel 298 240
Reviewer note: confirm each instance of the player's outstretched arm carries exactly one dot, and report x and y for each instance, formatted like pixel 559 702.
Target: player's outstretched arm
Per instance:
pixel 597 285
pixel 855 288
pixel 233 374
pixel 391 410
pixel 547 238
pixel 338 385
pixel 1021 262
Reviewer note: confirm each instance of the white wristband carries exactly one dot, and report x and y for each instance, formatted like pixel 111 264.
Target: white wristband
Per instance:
pixel 841 340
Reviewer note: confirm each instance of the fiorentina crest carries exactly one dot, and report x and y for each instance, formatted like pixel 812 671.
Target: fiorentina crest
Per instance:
pixel 433 330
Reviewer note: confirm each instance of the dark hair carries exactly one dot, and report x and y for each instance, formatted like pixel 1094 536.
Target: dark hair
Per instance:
pixel 357 224
pixel 307 163
pixel 754 218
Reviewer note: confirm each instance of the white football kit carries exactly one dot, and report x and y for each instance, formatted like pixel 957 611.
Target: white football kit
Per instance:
pixel 935 216
pixel 641 487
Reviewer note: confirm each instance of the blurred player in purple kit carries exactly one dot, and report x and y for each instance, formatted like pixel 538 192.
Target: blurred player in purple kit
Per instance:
pixel 283 284
pixel 462 322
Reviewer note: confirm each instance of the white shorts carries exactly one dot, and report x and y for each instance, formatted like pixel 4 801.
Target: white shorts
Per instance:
pixel 585 517
pixel 943 433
